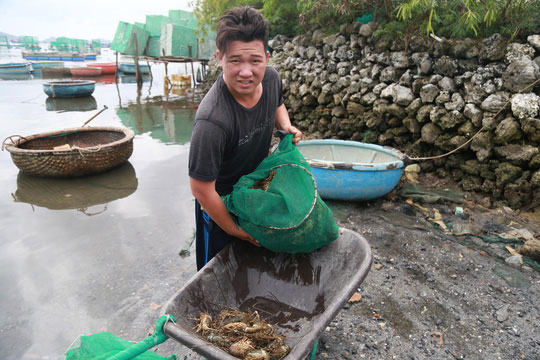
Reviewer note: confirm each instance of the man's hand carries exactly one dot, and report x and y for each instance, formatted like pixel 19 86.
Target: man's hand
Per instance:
pixel 243 235
pixel 297 134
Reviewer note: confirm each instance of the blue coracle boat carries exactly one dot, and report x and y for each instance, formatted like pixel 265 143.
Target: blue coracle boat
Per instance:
pixel 69 88
pixel 37 66
pixel 129 68
pixel 351 170
pixel 15 68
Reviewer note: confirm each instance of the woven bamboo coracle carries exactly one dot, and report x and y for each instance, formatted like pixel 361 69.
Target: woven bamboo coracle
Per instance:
pixel 71 152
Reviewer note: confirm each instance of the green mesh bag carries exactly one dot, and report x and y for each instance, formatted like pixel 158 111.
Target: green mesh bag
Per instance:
pixel 106 346
pixel 278 204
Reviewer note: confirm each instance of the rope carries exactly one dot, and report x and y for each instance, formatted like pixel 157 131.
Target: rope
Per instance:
pixel 81 150
pixel 475 135
pixel 312 205
pixel 13 142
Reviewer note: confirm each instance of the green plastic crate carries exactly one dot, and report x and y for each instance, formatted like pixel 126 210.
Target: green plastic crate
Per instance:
pixel 154 22
pixel 123 39
pixel 176 39
pixel 153 48
pixel 184 18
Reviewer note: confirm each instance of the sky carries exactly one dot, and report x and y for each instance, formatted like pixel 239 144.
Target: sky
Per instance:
pixel 79 19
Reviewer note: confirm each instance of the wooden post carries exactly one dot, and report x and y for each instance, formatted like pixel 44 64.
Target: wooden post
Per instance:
pixel 116 73
pixel 137 72
pixel 150 70
pixel 191 60
pixel 166 82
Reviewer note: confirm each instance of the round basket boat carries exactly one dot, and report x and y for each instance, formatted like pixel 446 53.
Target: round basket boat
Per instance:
pixel 69 88
pixel 71 152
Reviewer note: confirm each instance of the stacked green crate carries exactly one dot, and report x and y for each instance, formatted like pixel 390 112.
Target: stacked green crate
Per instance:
pixel 95 46
pixel 153 48
pixel 4 41
pixel 176 39
pixel 123 39
pixel 61 44
pixel 30 42
pixel 154 22
pixel 184 18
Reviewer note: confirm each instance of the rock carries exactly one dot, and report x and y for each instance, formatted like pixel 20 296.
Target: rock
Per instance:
pixel 355 109
pixel 502 314
pixel 520 74
pixel 535 179
pixel 515 51
pixel 531 127
pixel 495 102
pixel 482 145
pixel 338 111
pixel 531 249
pixel 428 93
pixel 400 95
pixel 506 173
pixel 445 65
pixel 366 30
pixel 474 113
pixel 474 93
pixel 447 84
pixel 399 60
pixel 507 131
pixel 430 132
pixel 317 38
pixel 525 105
pixel 534 41
pixel 517 154
pixel 492 49
pixel 448 120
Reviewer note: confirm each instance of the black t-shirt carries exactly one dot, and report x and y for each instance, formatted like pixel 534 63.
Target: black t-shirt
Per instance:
pixel 229 140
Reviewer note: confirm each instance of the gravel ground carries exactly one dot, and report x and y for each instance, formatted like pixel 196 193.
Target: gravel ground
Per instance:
pixel 432 294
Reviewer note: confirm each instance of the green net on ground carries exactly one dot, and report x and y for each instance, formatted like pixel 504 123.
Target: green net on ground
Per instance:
pixel 105 345
pixel 278 204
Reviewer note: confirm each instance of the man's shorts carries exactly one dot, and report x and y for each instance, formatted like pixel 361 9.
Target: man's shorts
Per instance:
pixel 210 238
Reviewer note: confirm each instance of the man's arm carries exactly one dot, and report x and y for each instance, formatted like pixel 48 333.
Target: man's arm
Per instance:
pixel 205 192
pixel 283 122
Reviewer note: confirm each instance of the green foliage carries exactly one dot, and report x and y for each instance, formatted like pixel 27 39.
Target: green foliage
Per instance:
pixel 209 11
pixel 329 14
pixel 282 16
pixel 448 18
pixel 470 18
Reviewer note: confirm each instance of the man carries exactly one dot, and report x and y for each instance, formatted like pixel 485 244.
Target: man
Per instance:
pixel 233 126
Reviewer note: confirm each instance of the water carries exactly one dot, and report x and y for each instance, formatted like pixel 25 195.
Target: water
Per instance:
pixel 98 253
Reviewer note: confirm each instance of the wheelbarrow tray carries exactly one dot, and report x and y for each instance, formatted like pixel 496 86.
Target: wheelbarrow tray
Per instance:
pixel 299 294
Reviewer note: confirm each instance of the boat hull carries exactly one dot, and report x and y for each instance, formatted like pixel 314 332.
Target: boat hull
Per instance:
pixel 106 68
pixel 73 88
pixel 371 173
pixel 130 68
pixel 15 68
pixel 85 71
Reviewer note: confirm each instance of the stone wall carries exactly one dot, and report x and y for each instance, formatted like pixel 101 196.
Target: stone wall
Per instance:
pixel 425 101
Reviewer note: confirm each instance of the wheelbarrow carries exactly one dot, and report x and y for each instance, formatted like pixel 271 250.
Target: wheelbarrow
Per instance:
pixel 298 294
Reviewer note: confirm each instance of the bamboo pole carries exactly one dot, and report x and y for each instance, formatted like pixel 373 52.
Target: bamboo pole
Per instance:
pixel 191 60
pixel 137 72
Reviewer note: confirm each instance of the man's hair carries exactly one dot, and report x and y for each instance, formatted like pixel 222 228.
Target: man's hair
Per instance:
pixel 241 23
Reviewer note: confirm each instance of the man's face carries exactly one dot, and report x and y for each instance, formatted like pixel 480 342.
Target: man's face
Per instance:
pixel 243 65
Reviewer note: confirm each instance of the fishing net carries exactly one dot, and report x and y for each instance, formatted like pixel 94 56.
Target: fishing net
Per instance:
pixel 278 204
pixel 105 345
